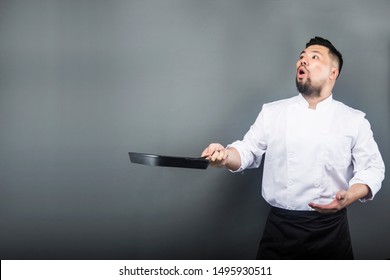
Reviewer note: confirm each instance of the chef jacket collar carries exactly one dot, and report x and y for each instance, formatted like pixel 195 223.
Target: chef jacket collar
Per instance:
pixel 320 106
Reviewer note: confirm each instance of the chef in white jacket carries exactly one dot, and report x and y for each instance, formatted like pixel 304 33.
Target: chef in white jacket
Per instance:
pixel 320 156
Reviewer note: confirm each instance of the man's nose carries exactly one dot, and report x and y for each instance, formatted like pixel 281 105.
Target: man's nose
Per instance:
pixel 303 62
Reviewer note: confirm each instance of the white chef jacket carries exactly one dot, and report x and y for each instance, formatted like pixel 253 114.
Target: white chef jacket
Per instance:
pixel 310 155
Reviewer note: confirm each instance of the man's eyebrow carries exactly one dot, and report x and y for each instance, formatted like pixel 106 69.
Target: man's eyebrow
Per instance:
pixel 304 52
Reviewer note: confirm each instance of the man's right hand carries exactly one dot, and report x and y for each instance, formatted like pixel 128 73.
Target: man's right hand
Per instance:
pixel 219 156
pixel 216 154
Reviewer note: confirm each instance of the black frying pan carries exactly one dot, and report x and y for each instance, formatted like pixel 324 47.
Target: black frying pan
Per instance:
pixel 158 160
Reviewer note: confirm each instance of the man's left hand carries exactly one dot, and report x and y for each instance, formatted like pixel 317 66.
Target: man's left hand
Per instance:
pixel 340 201
pixel 343 199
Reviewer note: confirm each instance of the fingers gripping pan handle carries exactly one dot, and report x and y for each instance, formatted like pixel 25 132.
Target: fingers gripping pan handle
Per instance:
pixel 169 161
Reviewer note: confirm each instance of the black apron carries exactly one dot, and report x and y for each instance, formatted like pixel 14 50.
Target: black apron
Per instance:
pixel 305 235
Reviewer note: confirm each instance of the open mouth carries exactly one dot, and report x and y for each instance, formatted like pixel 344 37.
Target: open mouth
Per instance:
pixel 301 73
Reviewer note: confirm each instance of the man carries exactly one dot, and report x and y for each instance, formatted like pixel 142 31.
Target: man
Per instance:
pixel 320 157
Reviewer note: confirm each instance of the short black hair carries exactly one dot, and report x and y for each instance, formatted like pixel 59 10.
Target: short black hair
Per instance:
pixel 332 50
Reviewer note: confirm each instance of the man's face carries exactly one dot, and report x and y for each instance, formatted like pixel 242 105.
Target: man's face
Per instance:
pixel 314 68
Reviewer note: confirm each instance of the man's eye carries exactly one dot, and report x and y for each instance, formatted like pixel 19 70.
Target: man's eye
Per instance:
pixel 315 57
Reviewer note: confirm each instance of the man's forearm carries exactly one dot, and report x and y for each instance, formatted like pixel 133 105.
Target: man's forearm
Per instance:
pixel 358 191
pixel 234 160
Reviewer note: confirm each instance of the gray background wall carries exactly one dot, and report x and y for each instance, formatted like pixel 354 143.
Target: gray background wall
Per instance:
pixel 84 82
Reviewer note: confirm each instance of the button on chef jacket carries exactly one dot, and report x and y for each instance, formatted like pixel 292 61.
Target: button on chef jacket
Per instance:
pixel 310 155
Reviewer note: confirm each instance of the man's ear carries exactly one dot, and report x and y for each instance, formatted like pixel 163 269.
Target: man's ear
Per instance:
pixel 334 73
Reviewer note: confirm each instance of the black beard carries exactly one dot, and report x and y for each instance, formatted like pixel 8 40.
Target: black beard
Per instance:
pixel 307 88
